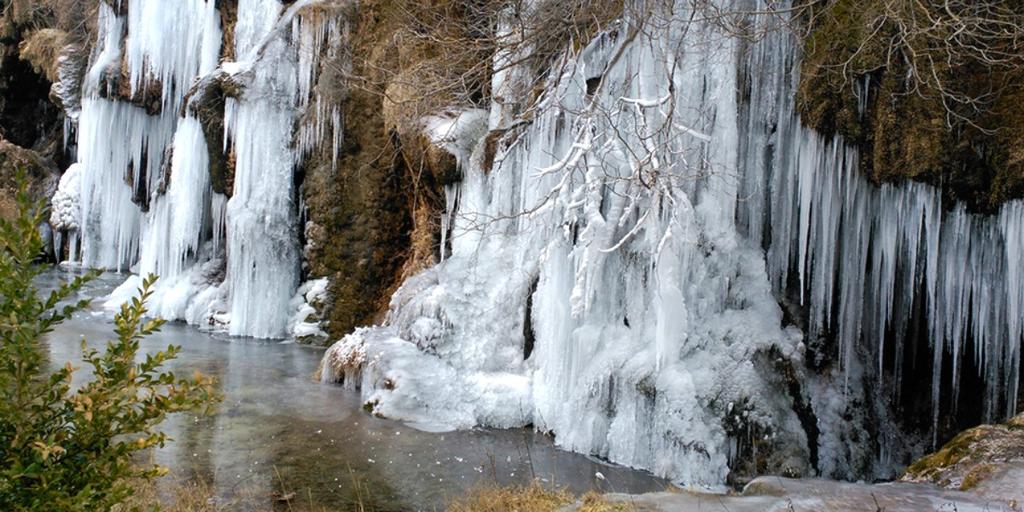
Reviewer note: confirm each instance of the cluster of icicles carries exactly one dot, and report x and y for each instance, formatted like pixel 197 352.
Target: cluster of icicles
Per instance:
pixel 608 279
pixel 866 259
pixel 228 262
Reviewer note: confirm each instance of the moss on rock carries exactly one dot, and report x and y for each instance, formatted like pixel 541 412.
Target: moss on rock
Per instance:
pixel 373 215
pixel 908 129
pixel 206 102
pixel 972 456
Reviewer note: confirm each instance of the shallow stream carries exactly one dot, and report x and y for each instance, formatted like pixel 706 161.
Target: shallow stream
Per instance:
pixel 280 431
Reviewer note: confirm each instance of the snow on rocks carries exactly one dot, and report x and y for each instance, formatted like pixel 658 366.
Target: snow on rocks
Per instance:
pixel 305 324
pixel 65 206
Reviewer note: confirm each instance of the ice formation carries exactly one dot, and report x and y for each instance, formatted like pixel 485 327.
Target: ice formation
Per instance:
pixel 65 210
pixel 144 188
pixel 305 323
pixel 623 315
pixel 608 280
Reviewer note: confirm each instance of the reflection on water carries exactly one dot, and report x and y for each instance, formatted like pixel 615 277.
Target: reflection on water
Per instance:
pixel 279 429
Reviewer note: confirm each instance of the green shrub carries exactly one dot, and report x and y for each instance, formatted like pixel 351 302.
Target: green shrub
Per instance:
pixel 63 448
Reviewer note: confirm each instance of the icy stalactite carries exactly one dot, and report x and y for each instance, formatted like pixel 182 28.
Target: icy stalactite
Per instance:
pixel 263 257
pixel 262 214
pixel 218 218
pixel 121 143
pixel 119 147
pixel 175 226
pixel 871 252
pixel 865 257
pixel 171 43
pixel 107 52
pixel 321 40
pixel 255 19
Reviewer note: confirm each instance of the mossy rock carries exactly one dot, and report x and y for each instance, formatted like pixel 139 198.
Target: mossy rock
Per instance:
pixel 972 456
pixel 206 102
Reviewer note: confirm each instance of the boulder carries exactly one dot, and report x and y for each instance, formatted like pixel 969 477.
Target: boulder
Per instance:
pixel 977 458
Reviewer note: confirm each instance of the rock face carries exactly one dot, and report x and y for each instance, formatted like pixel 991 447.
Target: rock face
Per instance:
pixel 375 207
pixel 27 117
pixel 982 457
pixel 206 101
pixel 40 173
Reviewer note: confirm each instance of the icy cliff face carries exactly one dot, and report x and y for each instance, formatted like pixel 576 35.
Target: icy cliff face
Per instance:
pixel 143 177
pixel 608 279
pixel 597 285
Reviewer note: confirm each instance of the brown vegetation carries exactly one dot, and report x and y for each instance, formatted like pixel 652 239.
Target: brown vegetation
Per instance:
pixel 972 456
pixel 41 49
pixel 532 498
pixel 40 173
pixel 199 496
pixel 944 84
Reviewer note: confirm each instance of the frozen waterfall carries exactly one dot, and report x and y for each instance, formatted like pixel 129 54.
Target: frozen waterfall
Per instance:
pixel 143 179
pixel 608 280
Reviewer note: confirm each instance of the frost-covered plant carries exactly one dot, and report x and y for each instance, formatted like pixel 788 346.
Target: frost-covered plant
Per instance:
pixel 66 448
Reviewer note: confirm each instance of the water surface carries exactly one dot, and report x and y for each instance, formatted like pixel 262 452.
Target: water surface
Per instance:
pixel 278 430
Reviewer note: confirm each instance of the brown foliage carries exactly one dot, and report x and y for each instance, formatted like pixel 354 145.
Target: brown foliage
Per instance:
pixel 41 49
pixel 943 80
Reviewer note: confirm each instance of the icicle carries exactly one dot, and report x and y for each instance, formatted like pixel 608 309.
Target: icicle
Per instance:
pixel 262 217
pixel 218 205
pixel 169 44
pixel 879 235
pixel 175 224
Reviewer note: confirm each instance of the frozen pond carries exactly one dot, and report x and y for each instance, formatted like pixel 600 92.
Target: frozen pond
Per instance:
pixel 279 429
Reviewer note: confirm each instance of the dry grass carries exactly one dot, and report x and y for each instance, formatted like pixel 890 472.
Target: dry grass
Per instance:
pixel 190 496
pixel 41 49
pixel 596 502
pixel 200 496
pixel 532 498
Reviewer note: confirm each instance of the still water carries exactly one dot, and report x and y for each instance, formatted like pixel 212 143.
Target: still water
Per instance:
pixel 280 431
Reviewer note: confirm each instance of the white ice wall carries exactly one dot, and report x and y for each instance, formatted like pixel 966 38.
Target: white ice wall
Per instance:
pixel 189 235
pixel 611 222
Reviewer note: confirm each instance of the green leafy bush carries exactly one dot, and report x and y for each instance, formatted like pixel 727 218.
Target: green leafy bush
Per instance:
pixel 63 448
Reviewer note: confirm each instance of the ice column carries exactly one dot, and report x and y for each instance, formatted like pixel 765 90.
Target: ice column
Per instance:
pixel 262 214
